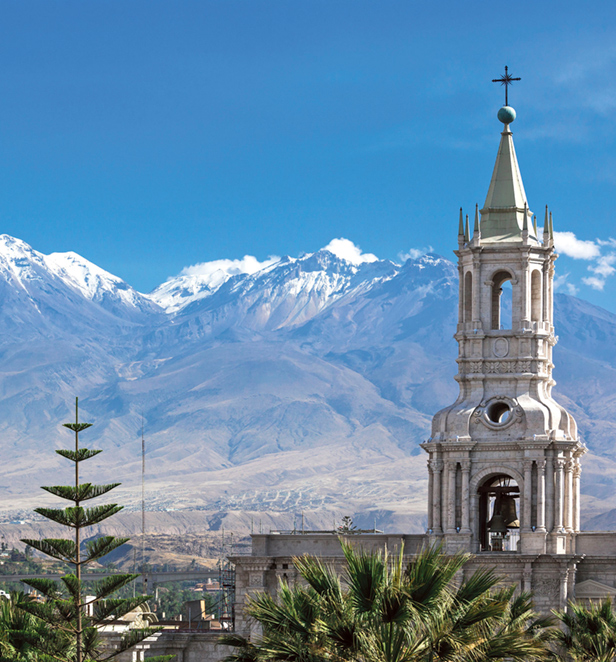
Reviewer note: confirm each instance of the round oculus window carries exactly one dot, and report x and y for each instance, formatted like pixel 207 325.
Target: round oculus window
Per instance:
pixel 499 413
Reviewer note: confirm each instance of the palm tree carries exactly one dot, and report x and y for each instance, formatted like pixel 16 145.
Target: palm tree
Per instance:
pixel 589 632
pixel 383 612
pixel 25 638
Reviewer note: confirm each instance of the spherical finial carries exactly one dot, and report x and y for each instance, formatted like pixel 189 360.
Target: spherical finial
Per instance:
pixel 506 114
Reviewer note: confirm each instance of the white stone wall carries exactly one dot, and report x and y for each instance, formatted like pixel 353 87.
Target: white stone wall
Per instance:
pixel 186 646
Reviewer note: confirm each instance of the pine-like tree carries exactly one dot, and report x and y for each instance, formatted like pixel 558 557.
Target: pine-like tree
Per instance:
pixel 66 609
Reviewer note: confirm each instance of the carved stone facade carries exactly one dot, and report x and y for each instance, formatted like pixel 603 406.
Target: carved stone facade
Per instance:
pixel 505 430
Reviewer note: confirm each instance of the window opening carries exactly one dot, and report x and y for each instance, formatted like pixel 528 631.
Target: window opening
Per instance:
pixel 502 301
pixel 506 304
pixel 499 412
pixel 468 297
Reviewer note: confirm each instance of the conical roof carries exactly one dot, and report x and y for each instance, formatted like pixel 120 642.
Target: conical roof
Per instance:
pixel 502 216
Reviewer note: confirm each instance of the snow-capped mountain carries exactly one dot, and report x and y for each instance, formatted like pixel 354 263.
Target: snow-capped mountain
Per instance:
pixel 302 383
pixel 57 288
pixel 96 284
pixel 282 296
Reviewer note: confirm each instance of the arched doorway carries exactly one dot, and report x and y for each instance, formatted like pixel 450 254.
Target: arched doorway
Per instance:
pixel 499 525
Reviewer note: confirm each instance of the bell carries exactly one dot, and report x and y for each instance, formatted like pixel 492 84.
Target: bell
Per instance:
pixel 507 510
pixel 497 524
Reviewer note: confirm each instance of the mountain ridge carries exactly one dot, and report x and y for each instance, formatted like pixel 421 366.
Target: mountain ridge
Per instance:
pixel 314 377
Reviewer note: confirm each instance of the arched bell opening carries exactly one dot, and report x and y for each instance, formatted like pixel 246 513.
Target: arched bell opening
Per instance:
pixel 502 300
pixel 499 524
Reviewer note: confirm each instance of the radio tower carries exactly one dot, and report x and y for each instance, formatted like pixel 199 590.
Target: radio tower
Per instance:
pixel 145 578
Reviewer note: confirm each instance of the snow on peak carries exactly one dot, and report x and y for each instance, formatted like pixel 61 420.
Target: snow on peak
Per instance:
pixel 249 264
pixel 21 265
pixel 414 253
pixel 345 249
pixel 83 275
pixel 19 262
pixel 95 283
pixel 201 280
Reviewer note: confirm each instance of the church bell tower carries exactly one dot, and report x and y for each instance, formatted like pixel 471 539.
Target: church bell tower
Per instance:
pixel 504 459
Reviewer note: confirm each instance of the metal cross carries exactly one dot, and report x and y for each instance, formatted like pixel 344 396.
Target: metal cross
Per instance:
pixel 505 80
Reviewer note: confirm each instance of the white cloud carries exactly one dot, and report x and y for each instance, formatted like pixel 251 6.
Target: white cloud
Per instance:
pixel 345 249
pixel 595 283
pixel 604 266
pixel 586 75
pixel 579 249
pixel 414 253
pixel 247 265
pixel 586 65
pixel 562 283
pixel 571 289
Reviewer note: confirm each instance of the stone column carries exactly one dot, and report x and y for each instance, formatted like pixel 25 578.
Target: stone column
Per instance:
pixel 526 494
pixel 525 301
pixel 569 495
pixel 546 291
pixel 465 496
pixel 541 495
pixel 451 496
pixel 256 584
pixel 577 472
pixel 559 465
pixel 527 577
pixel 551 292
pixel 564 585
pixel 549 492
pixel 437 470
pixel 474 521
pixel 430 496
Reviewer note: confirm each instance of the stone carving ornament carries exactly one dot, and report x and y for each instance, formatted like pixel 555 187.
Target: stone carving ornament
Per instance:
pixel 500 347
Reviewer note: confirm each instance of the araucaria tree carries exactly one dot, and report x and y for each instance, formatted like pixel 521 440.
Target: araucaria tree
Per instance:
pixel 66 611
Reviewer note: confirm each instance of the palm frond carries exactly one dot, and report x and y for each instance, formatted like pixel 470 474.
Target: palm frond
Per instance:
pixel 365 575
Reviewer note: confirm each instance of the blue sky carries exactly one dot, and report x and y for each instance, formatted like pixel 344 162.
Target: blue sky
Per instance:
pixel 151 136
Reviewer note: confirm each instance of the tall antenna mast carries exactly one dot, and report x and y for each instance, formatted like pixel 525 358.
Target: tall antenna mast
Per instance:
pixel 145 579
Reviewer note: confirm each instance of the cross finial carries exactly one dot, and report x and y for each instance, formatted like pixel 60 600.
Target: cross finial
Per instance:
pixel 505 80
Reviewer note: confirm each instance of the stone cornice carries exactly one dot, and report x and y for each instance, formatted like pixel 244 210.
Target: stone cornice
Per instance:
pixel 493 444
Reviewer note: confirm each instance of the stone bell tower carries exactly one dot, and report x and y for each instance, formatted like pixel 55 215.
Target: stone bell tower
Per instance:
pixel 504 466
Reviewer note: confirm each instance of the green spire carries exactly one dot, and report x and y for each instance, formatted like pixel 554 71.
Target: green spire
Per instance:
pixel 461 225
pixel 551 228
pixel 535 224
pixel 525 221
pixel 501 216
pixel 476 228
pixel 467 236
pixel 546 225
